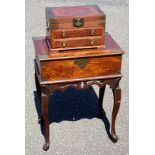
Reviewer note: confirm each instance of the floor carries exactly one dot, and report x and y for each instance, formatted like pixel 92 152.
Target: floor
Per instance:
pixel 75 128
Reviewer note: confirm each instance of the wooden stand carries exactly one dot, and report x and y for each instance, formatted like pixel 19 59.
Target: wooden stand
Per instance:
pixel 80 70
pixel 45 90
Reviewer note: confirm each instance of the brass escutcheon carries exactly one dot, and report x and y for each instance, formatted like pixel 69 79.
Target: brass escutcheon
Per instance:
pixel 81 62
pixel 78 22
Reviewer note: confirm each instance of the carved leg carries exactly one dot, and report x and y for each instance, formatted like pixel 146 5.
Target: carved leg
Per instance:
pixel 38 88
pixel 117 101
pixel 44 113
pixel 101 96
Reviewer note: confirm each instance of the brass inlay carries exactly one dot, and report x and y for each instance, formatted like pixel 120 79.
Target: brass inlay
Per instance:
pixel 78 22
pixel 81 62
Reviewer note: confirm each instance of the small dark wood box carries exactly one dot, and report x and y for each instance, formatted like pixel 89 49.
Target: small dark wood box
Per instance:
pixel 76 27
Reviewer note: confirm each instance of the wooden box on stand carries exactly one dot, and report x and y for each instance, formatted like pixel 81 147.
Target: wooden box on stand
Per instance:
pixel 80 70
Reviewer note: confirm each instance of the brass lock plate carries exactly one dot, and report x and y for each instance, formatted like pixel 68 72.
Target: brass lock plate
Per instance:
pixel 78 22
pixel 81 62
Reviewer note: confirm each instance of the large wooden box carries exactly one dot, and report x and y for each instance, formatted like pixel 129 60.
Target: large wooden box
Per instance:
pixel 83 64
pixel 75 27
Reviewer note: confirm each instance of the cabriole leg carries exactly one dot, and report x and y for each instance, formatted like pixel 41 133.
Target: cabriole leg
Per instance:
pixel 117 101
pixel 44 113
pixel 101 96
pixel 38 87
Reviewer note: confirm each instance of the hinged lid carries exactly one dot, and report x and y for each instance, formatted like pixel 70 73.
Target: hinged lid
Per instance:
pixel 74 17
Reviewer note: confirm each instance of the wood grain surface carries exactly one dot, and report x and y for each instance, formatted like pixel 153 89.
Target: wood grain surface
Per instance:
pixel 77 42
pixel 82 32
pixel 68 69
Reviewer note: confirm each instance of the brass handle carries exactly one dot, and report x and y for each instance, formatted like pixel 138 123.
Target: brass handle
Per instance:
pixel 92 42
pixel 64 44
pixel 63 34
pixel 92 32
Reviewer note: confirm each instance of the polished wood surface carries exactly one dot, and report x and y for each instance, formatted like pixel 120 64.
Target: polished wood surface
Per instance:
pixel 78 69
pixel 62 17
pixel 101 96
pixel 117 101
pixel 70 11
pixel 70 25
pixel 77 42
pixel 61 66
pixel 82 32
pixel 43 53
pixel 68 69
pixel 44 114
pixel 96 78
pixel 47 90
pixel 75 26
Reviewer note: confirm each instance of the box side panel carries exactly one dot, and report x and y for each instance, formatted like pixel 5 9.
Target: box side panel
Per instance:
pixel 80 68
